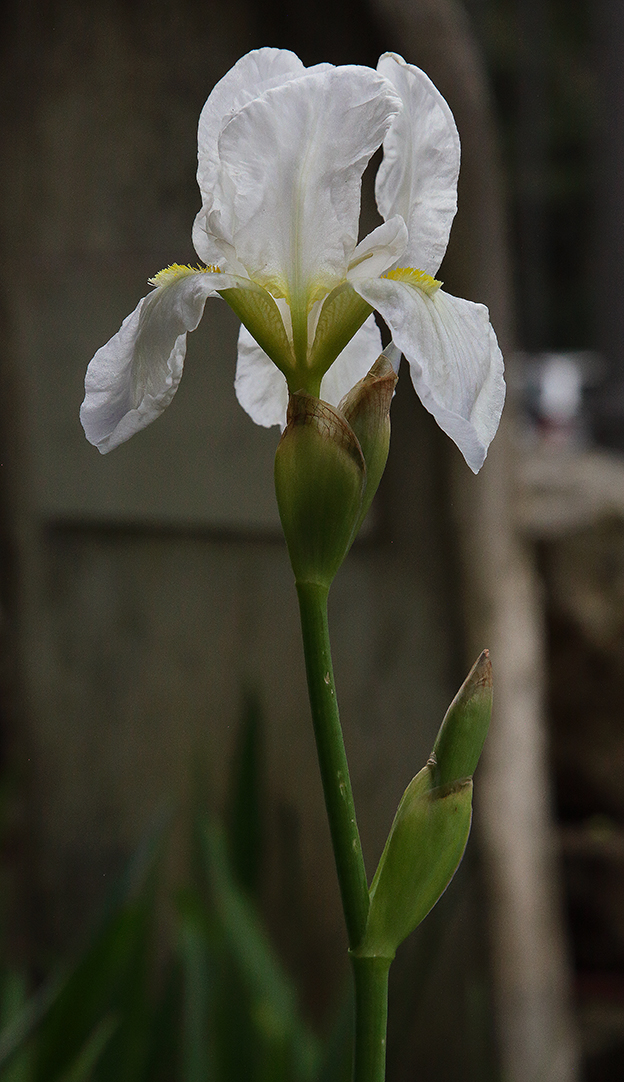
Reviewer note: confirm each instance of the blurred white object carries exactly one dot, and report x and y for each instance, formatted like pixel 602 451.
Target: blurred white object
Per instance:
pixel 551 389
pixel 561 389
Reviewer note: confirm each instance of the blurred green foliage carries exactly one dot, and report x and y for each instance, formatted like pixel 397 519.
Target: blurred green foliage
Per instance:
pixel 185 985
pixel 219 1006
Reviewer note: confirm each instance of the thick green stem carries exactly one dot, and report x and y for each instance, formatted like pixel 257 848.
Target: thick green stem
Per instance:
pixel 371 974
pixel 333 760
pixel 371 1018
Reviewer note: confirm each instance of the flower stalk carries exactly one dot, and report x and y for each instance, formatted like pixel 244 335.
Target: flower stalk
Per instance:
pixel 425 844
pixel 370 973
pixel 371 1018
pixel 332 759
pixel 327 468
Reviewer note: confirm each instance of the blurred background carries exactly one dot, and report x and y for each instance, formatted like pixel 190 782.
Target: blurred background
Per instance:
pixel 150 655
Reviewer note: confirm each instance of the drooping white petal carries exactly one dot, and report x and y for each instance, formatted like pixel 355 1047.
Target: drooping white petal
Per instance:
pixel 260 387
pixel 455 362
pixel 132 379
pixel 254 73
pixel 418 176
pixel 291 164
pixel 350 366
pixel 262 390
pixel 379 250
pixel 393 353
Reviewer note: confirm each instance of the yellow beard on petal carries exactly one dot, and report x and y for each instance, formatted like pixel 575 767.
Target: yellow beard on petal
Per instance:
pixel 417 278
pixel 178 270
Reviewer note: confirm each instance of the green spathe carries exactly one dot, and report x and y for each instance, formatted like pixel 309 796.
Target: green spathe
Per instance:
pixel 422 853
pixel 462 734
pixel 367 410
pixel 431 827
pixel 328 465
pixel 320 477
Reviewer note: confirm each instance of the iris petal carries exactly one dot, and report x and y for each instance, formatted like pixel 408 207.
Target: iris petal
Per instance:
pixel 455 362
pixel 379 250
pixel 291 163
pixel 260 387
pixel 418 176
pixel 254 73
pixel 350 366
pixel 133 378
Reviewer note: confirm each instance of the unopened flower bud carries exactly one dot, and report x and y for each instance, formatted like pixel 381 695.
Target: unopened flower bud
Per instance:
pixel 320 476
pixel 462 734
pixel 431 827
pixel 422 853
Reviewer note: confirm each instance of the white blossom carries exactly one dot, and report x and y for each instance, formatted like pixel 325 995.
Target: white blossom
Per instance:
pixel 282 150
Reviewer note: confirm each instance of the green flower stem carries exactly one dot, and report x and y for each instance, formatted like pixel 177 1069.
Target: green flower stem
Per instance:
pixel 371 1017
pixel 370 973
pixel 333 760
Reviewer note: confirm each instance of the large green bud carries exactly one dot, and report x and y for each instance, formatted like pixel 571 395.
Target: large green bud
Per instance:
pixel 422 853
pixel 320 479
pixel 431 827
pixel 328 465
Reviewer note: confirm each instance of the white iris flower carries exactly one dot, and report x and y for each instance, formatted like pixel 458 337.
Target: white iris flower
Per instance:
pixel 282 149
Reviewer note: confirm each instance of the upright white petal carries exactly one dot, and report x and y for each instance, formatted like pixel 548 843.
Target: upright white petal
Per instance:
pixel 379 250
pixel 291 164
pixel 254 73
pixel 455 362
pixel 262 390
pixel 418 176
pixel 132 379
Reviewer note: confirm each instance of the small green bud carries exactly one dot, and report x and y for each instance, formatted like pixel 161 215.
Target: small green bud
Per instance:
pixel 432 823
pixel 320 477
pixel 366 408
pixel 422 853
pixel 462 734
